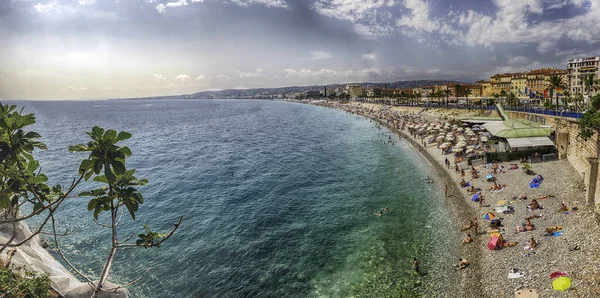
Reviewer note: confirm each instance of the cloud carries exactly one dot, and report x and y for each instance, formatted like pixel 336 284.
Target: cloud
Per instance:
pixel 200 78
pixel 267 3
pixel 177 3
pixel 160 8
pixel 371 18
pixel 319 55
pixel 223 77
pixel 158 77
pixel 86 2
pixel 419 17
pixel 49 7
pixel 517 60
pixel 369 56
pixel 257 74
pixel 182 77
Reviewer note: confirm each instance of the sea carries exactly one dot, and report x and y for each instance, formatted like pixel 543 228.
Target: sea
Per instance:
pixel 278 199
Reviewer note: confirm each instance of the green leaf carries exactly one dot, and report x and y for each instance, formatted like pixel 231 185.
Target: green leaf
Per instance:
pixel 101 178
pixel 78 148
pixel 123 136
pixel 97 133
pixel 111 135
pixel 119 167
pixel 126 151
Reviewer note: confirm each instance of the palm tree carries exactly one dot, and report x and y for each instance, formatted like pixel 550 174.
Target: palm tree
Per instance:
pixel 567 98
pixel 447 94
pixel 555 82
pixel 577 98
pixel 459 89
pixel 503 94
pixel 417 96
pixel 590 84
pixel 467 91
pixel 511 98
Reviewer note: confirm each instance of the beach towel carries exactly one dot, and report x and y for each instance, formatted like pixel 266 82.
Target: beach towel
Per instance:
pixel 556 234
pixel 475 197
pixel 467 185
pixel 535 182
pixel 569 212
pixel 515 274
pixel 498 190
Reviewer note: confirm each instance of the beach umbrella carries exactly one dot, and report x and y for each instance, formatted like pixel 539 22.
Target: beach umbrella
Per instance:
pixel 489 176
pixel 470 150
pixel 562 283
pixel 558 274
pixel 493 243
pixel 484 139
pixel 488 216
pixel 486 134
pixel 476 129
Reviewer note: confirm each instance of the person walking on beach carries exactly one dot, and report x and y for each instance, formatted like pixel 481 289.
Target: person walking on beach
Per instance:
pixel 475 226
pixel 447 162
pixel 445 190
pixel 416 266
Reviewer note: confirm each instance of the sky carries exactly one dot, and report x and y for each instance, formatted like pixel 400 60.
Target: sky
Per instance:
pixel 92 49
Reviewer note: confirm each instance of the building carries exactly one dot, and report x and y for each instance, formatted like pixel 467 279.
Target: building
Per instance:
pixel 578 69
pixel 354 90
pixel 374 92
pixel 518 85
pixel 501 82
pixel 486 89
pixel 537 81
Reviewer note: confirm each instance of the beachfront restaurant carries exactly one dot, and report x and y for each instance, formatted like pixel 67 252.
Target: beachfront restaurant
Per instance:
pixel 517 138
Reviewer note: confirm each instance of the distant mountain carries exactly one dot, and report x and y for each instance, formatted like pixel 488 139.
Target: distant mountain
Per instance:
pixel 284 91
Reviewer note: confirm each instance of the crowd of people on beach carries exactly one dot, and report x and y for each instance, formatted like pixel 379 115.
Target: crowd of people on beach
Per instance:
pixel 470 179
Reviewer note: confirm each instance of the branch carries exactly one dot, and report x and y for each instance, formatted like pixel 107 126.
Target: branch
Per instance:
pixel 127 284
pixel 49 206
pixel 157 243
pixel 63 256
pixel 130 236
pixel 120 217
pixel 102 225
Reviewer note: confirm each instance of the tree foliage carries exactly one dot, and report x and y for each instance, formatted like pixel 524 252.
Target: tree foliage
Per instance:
pixel 590 122
pixel 22 182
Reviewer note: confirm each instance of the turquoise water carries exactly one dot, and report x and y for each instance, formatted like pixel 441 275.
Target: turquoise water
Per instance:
pixel 278 200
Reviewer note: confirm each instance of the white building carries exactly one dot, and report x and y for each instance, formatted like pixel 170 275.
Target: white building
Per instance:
pixel 579 69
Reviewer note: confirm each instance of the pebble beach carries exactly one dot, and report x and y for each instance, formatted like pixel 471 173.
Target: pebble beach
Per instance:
pixel 575 252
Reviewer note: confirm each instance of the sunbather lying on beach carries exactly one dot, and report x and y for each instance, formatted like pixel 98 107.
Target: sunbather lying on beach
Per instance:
pixel 472 190
pixel 470 225
pixel 462 264
pixel 563 207
pixel 534 205
pixel 467 239
pixel 463 183
pixel 545 197
pixel 552 229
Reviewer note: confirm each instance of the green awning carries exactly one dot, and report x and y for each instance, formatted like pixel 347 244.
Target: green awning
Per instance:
pixel 524 132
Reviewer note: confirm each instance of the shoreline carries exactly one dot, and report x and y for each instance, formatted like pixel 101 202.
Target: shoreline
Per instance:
pixel 487 274
pixel 470 285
